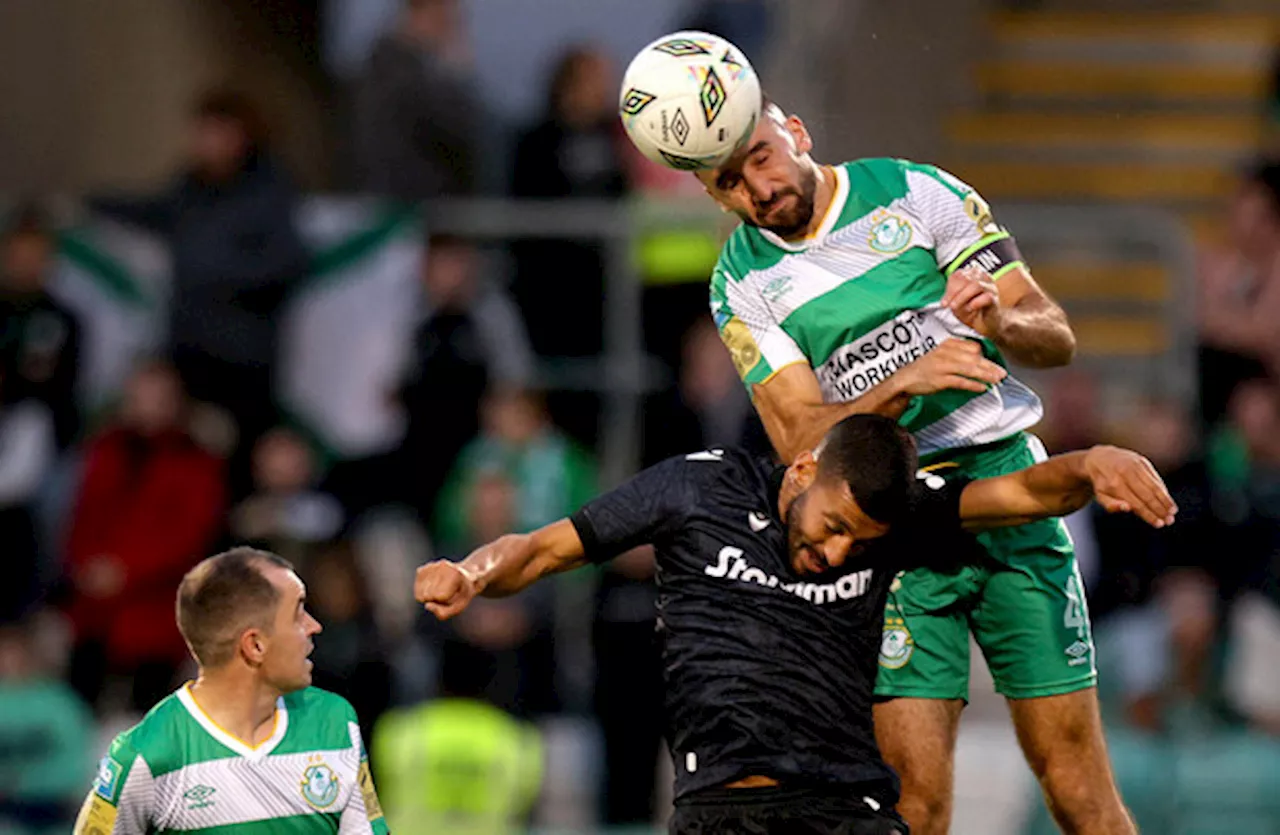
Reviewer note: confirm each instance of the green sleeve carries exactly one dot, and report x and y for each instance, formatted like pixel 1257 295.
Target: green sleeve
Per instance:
pixel 122 797
pixel 756 341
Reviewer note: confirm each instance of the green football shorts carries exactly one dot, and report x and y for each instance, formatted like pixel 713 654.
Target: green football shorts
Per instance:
pixel 1024 603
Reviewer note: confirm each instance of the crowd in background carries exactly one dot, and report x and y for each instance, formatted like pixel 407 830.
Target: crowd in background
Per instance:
pixel 101 513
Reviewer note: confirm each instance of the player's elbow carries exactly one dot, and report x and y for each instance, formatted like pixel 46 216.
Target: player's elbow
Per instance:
pixel 1039 334
pixel 1062 350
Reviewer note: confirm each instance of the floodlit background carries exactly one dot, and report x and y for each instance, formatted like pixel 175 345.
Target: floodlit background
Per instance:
pixel 368 281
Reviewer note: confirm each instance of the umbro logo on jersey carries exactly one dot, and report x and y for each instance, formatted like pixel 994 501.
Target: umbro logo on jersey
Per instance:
pixel 776 288
pixel 199 797
pixel 758 521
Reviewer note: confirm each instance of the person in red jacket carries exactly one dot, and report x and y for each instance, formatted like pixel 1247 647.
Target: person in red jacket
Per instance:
pixel 150 506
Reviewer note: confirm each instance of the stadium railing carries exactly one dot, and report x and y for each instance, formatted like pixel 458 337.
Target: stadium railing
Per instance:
pixel 1124 274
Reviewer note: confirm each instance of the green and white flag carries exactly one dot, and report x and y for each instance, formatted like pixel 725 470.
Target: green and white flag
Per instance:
pixel 344 332
pixel 116 281
pixel 348 327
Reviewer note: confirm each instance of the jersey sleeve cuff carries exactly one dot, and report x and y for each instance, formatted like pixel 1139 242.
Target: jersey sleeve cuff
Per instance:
pixel 587 533
pixel 774 372
pixel 997 254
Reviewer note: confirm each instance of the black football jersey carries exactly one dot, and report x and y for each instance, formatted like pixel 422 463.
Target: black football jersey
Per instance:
pixel 767 672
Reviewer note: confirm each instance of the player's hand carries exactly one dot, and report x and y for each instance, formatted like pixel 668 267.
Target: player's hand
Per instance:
pixel 1125 482
pixel 443 588
pixel 972 296
pixel 955 364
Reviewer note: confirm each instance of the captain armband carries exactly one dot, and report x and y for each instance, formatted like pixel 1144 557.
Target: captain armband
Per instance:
pixel 997 254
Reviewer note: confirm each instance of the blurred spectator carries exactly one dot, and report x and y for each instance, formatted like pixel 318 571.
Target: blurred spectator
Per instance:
pixel 416 114
pixel 574 152
pixel 1239 299
pixel 39 338
pixel 1133 554
pixel 229 222
pixel 457 764
pixel 1073 416
pixel 286 514
pixel 471 338
pixel 27 453
pixel 349 659
pixel 150 505
pixel 1142 574
pixel 47 738
pixel 519 474
pixel 512 636
pixel 1073 419
pixel 549 475
pixel 1248 499
pixel 1247 484
pixel 709 407
pixel 629 691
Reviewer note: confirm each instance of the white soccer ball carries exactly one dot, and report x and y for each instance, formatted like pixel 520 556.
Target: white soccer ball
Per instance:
pixel 689 100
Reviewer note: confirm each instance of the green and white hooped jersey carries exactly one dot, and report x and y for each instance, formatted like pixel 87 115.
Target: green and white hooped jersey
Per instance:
pixel 861 297
pixel 177 771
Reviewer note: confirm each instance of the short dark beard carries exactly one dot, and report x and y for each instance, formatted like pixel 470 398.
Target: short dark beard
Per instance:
pixel 794 538
pixel 801 217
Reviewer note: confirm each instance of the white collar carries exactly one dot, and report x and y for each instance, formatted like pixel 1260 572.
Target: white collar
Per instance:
pixel 251 752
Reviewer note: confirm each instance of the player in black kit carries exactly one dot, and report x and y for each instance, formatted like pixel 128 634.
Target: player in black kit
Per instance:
pixel 772 586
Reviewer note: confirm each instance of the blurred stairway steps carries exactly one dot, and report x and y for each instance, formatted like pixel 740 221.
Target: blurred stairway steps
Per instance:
pixel 1131 107
pixel 1117 106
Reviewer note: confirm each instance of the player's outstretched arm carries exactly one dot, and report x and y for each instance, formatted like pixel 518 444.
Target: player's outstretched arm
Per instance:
pixel 1120 480
pixel 791 407
pixel 503 567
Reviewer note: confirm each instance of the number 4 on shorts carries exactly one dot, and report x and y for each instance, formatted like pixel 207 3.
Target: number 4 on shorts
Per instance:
pixel 1074 617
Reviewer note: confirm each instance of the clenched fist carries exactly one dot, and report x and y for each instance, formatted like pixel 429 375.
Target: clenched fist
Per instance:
pixel 444 588
pixel 972 296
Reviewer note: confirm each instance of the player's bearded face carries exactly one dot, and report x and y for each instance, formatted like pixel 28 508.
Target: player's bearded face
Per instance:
pixel 788 211
pixel 825 528
pixel 771 183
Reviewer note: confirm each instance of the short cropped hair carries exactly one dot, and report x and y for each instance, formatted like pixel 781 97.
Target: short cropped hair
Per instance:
pixel 222 597
pixel 877 458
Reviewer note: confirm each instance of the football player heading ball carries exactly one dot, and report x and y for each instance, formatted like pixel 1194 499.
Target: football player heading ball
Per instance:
pixel 886 286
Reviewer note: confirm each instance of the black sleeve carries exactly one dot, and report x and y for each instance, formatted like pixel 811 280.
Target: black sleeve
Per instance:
pixel 934 535
pixel 645 509
pixel 997 257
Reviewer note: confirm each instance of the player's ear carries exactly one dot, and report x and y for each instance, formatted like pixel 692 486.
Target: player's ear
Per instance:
pixel 803 470
pixel 799 135
pixel 253 645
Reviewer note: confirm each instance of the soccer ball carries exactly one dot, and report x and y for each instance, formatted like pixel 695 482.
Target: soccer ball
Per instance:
pixel 689 100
